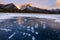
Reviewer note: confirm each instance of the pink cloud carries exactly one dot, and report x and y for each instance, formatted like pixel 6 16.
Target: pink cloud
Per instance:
pixel 56 4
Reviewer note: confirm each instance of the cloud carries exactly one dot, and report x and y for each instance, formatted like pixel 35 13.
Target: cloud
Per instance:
pixel 39 2
pixel 43 7
pixel 56 4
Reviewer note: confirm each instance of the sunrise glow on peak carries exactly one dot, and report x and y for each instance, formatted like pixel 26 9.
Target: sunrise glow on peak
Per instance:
pixel 18 6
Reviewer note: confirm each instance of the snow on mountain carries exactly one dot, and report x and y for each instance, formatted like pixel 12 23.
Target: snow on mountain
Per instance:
pixel 28 6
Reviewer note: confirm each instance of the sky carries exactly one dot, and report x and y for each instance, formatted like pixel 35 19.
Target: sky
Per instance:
pixel 45 4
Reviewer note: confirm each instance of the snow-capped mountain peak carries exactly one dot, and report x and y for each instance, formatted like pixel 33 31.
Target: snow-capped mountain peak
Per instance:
pixel 26 6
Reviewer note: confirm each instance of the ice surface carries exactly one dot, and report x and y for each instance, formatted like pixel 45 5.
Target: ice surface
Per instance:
pixel 28 30
pixel 33 38
pixel 11 35
pixel 5 29
pixel 47 16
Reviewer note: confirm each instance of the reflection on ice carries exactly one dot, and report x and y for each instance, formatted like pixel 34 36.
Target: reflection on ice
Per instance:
pixel 32 29
pixel 44 26
pixel 36 26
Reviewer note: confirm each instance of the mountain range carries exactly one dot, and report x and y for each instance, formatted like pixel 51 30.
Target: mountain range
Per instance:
pixel 26 9
pixel 8 6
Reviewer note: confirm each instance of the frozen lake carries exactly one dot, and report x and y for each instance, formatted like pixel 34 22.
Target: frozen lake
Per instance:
pixel 24 26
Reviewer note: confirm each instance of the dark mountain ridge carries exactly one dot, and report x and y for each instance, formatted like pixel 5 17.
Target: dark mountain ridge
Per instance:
pixel 26 9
